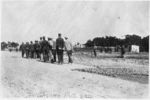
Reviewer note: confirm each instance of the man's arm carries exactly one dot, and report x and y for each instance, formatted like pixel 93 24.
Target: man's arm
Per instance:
pixel 65 46
pixel 56 42
pixel 20 47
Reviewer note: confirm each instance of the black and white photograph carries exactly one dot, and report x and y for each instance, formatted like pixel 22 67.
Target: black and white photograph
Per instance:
pixel 74 49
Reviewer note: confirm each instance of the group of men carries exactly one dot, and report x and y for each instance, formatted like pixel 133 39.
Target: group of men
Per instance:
pixel 48 50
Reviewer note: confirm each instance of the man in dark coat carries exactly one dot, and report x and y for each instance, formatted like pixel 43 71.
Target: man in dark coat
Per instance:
pixel 22 49
pixel 60 48
pixel 27 47
pixel 69 49
pixel 31 49
pixel 54 50
pixel 37 49
pixel 45 49
pixel 50 49
pixel 40 51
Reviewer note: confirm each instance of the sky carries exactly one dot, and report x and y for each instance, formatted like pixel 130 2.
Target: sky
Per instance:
pixel 23 21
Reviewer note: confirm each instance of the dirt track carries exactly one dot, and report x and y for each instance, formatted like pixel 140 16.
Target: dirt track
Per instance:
pixel 31 78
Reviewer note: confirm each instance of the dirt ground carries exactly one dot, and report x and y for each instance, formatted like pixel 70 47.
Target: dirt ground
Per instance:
pixel 30 78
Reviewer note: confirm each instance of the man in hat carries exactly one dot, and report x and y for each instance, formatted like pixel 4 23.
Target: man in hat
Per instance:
pixel 27 47
pixel 37 49
pixel 40 51
pixel 50 48
pixel 69 49
pixel 22 49
pixel 54 50
pixel 31 49
pixel 45 49
pixel 60 48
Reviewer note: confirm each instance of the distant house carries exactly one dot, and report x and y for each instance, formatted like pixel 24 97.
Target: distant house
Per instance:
pixel 79 46
pixel 117 48
pixel 135 48
pixel 76 46
pixel 113 49
pixel 82 45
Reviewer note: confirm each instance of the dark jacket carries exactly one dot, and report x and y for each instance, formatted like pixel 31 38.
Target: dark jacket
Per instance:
pixel 37 47
pixel 22 47
pixel 59 43
pixel 45 45
pixel 27 46
pixel 32 47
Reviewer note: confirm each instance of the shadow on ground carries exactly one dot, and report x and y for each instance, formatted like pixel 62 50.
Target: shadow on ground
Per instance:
pixel 122 73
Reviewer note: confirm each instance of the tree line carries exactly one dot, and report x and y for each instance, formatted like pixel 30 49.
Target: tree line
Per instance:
pixel 112 41
pixel 108 41
pixel 5 45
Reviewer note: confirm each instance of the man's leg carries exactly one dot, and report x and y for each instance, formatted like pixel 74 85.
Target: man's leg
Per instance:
pixel 36 54
pixel 43 55
pixel 27 53
pixel 51 56
pixel 54 55
pixel 69 57
pixel 22 53
pixel 31 54
pixel 58 58
pixel 58 54
pixel 62 60
pixel 46 55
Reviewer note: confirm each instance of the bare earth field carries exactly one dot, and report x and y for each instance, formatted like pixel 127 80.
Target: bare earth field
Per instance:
pixel 105 76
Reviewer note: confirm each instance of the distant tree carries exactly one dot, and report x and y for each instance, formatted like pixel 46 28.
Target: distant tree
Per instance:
pixel 145 44
pixel 13 44
pixel 132 39
pixel 89 43
pixel 107 41
pixel 113 41
pixel 121 42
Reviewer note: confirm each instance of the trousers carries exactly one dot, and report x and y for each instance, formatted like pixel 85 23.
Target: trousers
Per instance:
pixel 54 54
pixel 60 56
pixel 69 53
